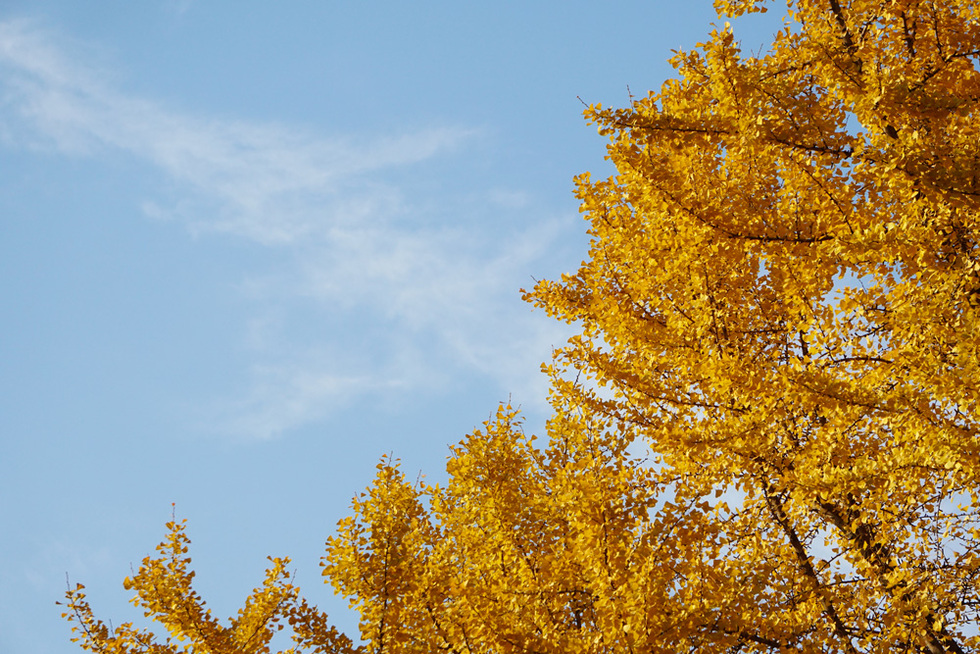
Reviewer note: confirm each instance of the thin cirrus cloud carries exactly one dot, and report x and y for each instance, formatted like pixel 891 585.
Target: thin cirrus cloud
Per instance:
pixel 439 298
pixel 430 307
pixel 267 180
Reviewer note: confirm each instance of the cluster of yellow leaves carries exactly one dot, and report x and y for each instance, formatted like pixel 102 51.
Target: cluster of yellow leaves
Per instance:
pixel 782 297
pixel 766 434
pixel 525 549
pixel 165 594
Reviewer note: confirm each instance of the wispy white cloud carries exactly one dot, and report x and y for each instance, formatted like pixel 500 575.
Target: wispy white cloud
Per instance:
pixel 288 395
pixel 269 181
pixel 428 305
pixel 178 7
pixel 438 295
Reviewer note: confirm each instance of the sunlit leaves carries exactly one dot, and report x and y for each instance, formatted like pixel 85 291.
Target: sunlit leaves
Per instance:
pixel 165 594
pixel 781 296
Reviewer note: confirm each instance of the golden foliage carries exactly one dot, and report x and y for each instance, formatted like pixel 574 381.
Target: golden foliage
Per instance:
pixel 776 443
pixel 164 593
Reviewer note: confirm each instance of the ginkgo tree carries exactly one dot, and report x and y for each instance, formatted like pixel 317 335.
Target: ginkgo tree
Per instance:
pixel 765 434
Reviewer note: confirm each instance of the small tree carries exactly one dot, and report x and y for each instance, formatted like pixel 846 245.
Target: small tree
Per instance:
pixel 778 448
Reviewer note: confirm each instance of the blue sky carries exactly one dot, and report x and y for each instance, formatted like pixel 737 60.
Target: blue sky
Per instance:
pixel 248 248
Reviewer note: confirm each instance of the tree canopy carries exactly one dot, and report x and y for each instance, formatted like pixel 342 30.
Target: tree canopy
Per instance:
pixel 765 434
